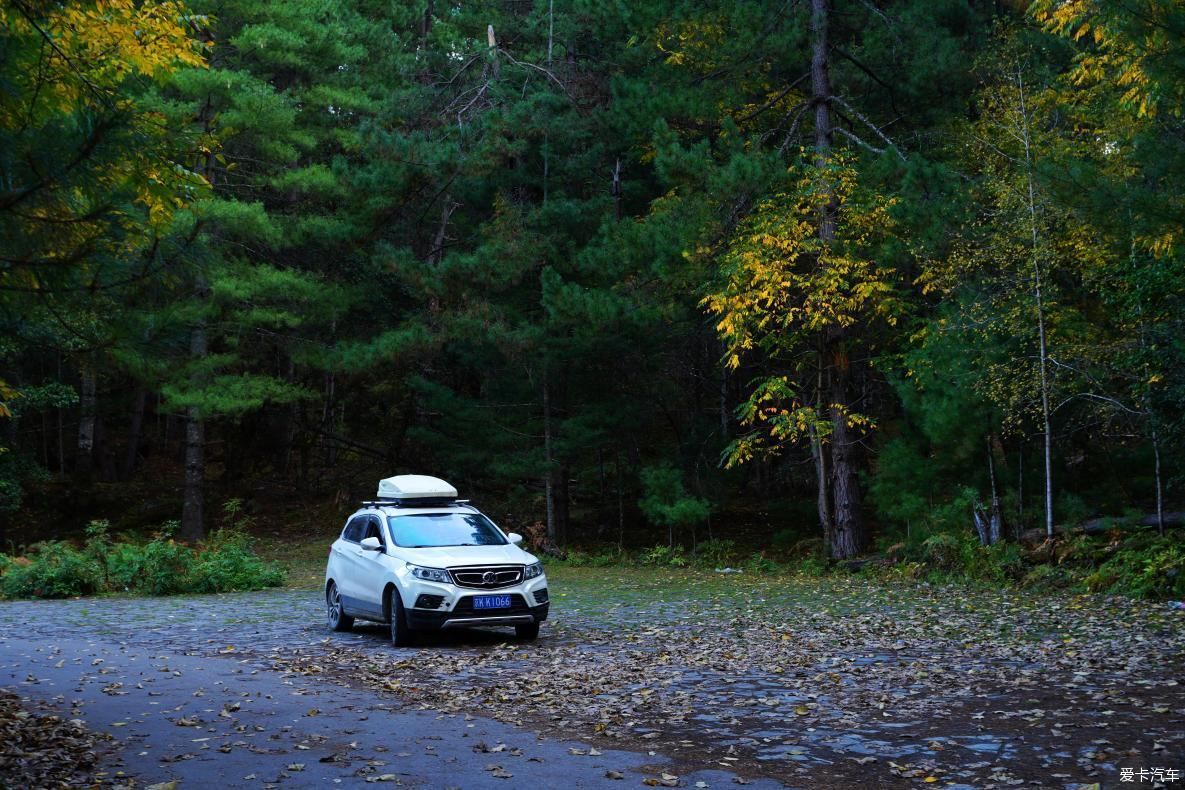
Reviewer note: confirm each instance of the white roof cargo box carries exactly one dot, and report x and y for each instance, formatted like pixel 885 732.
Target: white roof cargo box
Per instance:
pixel 405 487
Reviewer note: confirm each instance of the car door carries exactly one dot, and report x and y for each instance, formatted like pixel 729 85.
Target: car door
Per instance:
pixel 372 570
pixel 351 579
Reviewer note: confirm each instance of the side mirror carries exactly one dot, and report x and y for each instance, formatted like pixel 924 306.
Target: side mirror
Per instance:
pixel 515 538
pixel 371 544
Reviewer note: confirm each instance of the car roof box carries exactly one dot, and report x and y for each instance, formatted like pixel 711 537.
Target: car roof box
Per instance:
pixel 414 489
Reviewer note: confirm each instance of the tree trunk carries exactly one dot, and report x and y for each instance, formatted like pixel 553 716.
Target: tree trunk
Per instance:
pixel 549 474
pixel 561 504
pixel 847 528
pixel 193 520
pixel 996 517
pixel 620 504
pixel 134 433
pixel 1159 485
pixel 84 464
pixel 819 456
pixel 847 534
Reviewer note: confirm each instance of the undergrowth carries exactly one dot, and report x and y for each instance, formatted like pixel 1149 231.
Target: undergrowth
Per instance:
pixel 1135 564
pixel 224 562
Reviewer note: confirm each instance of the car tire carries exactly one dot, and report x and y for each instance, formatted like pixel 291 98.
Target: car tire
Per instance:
pixel 401 635
pixel 528 632
pixel 336 615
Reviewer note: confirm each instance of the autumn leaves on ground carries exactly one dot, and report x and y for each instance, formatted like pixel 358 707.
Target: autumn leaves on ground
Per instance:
pixel 838 682
pixel 823 683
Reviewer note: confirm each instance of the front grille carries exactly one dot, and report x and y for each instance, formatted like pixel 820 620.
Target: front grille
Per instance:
pixel 426 601
pixel 464 607
pixel 541 595
pixel 487 577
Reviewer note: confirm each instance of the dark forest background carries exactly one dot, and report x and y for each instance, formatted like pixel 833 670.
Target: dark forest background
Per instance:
pixel 643 272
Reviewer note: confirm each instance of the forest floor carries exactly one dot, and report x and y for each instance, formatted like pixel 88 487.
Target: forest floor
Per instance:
pixel 664 677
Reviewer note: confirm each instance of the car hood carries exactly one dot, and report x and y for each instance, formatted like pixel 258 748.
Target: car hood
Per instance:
pixel 453 556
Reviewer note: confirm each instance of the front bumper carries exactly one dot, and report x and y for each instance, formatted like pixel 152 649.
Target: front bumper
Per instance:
pixel 432 606
pixel 463 616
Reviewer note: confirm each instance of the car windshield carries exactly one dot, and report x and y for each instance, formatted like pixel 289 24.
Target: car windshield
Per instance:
pixel 426 530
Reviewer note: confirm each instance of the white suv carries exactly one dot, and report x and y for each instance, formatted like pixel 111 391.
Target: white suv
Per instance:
pixel 420 559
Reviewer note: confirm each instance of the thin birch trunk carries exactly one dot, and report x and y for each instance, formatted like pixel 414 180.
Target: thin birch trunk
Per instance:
pixel 1042 340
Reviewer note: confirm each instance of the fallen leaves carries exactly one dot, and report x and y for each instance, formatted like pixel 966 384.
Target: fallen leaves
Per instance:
pixel 41 749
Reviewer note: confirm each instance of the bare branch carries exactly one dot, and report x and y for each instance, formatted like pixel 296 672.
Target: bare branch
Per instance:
pixel 1102 399
pixel 860 141
pixel 793 127
pixel 546 72
pixel 876 129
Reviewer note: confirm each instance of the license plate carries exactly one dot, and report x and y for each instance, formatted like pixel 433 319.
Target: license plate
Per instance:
pixel 491 602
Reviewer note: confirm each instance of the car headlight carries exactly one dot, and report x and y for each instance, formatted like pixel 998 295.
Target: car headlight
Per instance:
pixel 531 571
pixel 430 574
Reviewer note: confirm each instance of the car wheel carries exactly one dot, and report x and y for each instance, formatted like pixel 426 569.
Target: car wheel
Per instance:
pixel 527 633
pixel 338 619
pixel 401 635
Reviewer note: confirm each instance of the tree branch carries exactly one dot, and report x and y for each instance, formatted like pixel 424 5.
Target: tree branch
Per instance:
pixel 876 129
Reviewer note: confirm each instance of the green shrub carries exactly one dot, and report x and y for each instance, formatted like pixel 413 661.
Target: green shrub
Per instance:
pixel 165 567
pixel 664 556
pixel 1077 551
pixel 1050 577
pixel 54 569
pixel 999 563
pixel 583 559
pixel 577 559
pixel 812 565
pixel 942 551
pixel 162 566
pixel 759 563
pixel 125 565
pixel 226 563
pixel 1153 570
pixel 606 559
pixel 715 553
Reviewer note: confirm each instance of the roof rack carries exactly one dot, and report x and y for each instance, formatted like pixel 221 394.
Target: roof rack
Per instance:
pixel 415 502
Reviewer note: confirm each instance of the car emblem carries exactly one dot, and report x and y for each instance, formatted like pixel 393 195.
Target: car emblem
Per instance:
pixel 489 577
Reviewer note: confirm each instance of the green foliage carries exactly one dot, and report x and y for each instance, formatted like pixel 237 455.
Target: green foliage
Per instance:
pixel 666 503
pixel 758 562
pixel 665 557
pixel 812 565
pixel 56 570
pixel 402 247
pixel 715 553
pixel 227 563
pixel 1153 570
pixel 1043 578
pixel 162 566
pixel 942 551
pixel 603 559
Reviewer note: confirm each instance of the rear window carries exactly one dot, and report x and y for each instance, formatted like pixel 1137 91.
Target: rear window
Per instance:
pixel 355 530
pixel 426 530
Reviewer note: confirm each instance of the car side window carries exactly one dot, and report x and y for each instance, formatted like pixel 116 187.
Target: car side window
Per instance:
pixel 355 530
pixel 373 531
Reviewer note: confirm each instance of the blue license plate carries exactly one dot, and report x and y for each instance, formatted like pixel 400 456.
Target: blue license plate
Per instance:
pixel 491 602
